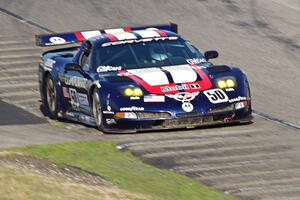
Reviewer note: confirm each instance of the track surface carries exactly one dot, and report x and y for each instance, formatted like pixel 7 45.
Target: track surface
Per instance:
pixel 258 161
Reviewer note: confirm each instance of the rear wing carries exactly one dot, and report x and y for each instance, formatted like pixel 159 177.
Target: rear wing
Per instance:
pixel 80 36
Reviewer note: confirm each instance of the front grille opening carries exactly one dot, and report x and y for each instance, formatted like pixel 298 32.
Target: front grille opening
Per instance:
pixel 191 114
pixel 221 109
pixel 153 115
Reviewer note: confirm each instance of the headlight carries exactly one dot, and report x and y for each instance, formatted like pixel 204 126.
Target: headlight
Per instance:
pixel 226 83
pixel 230 83
pixel 221 84
pixel 128 92
pixel 132 92
pixel 137 92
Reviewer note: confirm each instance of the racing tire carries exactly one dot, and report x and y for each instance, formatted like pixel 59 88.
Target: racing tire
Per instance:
pixel 50 98
pixel 97 110
pixel 249 97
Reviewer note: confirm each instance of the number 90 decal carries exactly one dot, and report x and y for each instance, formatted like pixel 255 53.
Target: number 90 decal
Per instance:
pixel 216 96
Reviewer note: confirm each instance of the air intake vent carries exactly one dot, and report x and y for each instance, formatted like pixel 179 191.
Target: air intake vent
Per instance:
pixel 222 109
pixel 191 114
pixel 153 115
pixel 118 79
pixel 218 69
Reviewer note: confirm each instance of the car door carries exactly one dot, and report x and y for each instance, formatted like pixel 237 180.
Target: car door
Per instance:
pixel 75 86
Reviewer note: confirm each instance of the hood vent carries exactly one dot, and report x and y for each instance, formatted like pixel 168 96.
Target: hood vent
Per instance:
pixel 118 79
pixel 218 69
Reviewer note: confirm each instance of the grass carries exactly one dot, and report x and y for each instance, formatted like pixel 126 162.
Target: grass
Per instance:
pixel 19 184
pixel 125 170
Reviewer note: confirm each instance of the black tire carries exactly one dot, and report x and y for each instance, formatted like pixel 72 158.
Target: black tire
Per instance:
pixel 50 98
pixel 97 110
pixel 249 97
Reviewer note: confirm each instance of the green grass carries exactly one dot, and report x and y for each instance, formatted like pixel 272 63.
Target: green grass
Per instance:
pixel 125 170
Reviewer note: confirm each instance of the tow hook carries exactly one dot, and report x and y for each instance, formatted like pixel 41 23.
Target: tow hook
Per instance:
pixel 229 118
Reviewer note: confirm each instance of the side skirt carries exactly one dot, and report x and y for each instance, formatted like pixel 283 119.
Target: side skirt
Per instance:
pixel 80 117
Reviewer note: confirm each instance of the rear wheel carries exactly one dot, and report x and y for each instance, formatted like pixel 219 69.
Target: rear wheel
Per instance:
pixel 50 98
pixel 97 111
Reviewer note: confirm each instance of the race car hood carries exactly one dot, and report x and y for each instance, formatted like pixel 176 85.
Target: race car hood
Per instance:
pixel 165 80
pixel 180 88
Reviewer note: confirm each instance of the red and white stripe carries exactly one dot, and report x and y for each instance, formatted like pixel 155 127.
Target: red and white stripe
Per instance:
pixel 120 34
pixel 153 79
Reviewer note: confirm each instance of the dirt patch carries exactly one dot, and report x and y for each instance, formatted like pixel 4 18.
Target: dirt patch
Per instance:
pixel 42 166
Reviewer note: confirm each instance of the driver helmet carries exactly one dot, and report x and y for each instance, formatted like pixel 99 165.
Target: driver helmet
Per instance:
pixel 158 54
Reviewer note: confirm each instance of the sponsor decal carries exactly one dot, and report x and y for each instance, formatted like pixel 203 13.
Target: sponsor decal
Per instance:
pixel 66 92
pixel 135 98
pixel 108 68
pixel 174 88
pixel 70 114
pixel 192 86
pixel 187 107
pixel 81 117
pixel 185 98
pixel 85 118
pixel 132 108
pixel 108 108
pixel 229 89
pixel 195 86
pixel 111 121
pixel 154 98
pixel 195 61
pixel 108 112
pixel 74 98
pixel 229 118
pixel 57 40
pixel 240 105
pixel 239 98
pixel 78 82
pixel 83 99
pixel 216 96
pixel 138 40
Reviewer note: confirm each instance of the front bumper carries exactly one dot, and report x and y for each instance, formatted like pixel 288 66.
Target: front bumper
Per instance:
pixel 192 121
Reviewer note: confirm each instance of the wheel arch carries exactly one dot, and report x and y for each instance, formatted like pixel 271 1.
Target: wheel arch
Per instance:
pixel 44 77
pixel 90 94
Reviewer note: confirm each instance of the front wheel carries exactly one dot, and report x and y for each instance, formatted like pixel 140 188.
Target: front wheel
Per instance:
pixel 50 98
pixel 97 111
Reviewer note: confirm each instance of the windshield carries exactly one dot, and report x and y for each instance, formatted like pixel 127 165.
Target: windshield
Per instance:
pixel 146 54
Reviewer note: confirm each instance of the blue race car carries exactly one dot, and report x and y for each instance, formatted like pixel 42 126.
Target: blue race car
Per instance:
pixel 139 78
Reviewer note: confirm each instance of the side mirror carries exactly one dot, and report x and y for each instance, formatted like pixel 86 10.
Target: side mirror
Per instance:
pixel 211 54
pixel 73 67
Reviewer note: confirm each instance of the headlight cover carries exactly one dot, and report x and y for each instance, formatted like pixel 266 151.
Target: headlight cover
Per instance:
pixel 132 92
pixel 228 82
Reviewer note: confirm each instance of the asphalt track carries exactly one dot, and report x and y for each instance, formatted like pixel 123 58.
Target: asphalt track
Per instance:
pixel 256 161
